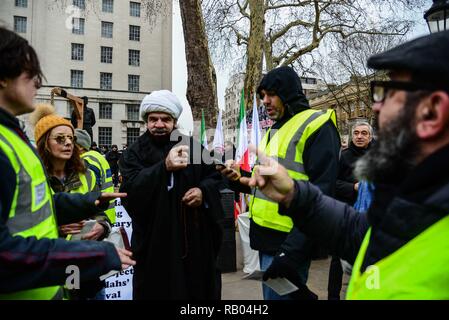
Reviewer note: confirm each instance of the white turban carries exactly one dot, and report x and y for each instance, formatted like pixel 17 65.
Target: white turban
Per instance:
pixel 160 101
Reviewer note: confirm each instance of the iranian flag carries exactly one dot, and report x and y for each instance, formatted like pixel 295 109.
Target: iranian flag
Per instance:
pixel 203 138
pixel 242 153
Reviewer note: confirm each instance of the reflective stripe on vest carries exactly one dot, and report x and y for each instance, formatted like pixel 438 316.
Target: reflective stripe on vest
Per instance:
pixel 31 212
pixel 417 270
pixel 97 160
pixel 286 146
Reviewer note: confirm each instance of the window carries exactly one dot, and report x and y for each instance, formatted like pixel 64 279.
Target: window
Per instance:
pixel 20 24
pixel 77 51
pixel 134 33
pixel 106 54
pixel 105 110
pixel 134 9
pixel 133 82
pixel 134 58
pixel 80 4
pixel 131 135
pixel 132 111
pixel 21 3
pixel 108 6
pixel 76 78
pixel 78 25
pixel 105 136
pixel 105 81
pixel 106 29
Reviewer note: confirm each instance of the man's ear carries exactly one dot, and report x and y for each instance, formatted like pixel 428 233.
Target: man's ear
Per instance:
pixel 3 84
pixel 432 116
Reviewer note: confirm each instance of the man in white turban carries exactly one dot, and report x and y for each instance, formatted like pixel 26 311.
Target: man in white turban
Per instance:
pixel 175 206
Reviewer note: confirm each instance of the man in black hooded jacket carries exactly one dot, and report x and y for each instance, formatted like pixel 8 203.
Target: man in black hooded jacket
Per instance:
pixel 316 142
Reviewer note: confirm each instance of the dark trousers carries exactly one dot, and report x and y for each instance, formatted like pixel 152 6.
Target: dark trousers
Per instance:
pixel 335 279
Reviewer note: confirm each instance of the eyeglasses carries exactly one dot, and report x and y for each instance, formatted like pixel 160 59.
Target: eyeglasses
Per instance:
pixel 379 89
pixel 62 138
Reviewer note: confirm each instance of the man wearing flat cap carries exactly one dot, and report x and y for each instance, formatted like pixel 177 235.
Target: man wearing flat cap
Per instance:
pixel 400 247
pixel 174 204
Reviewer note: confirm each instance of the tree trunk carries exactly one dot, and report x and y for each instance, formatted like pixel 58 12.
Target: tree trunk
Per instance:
pixel 254 50
pixel 268 50
pixel 201 77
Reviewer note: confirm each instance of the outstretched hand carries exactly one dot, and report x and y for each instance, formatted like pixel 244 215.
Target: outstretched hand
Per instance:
pixel 271 178
pixel 108 196
pixel 230 170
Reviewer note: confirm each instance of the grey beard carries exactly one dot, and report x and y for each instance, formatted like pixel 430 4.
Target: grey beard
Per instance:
pixel 392 155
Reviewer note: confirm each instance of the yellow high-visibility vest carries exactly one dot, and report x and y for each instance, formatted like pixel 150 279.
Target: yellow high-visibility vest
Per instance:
pixel 418 270
pixel 32 209
pixel 287 147
pixel 95 159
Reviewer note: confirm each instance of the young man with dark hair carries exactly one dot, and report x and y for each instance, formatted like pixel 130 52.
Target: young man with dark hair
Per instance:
pixel 33 261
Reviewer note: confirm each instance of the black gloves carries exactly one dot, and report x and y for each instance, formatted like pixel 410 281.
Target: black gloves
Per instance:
pixel 285 267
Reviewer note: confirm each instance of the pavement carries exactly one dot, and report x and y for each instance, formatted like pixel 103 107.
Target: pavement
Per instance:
pixel 236 288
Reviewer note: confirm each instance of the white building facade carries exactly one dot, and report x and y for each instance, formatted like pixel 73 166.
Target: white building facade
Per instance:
pixel 106 50
pixel 233 93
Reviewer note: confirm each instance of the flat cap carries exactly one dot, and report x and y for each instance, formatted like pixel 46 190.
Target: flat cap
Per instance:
pixel 426 58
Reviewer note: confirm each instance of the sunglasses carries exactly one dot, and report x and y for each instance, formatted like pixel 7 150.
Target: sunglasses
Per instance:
pixel 62 138
pixel 379 89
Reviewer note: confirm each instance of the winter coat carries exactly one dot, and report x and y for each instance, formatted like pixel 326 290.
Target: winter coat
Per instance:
pixel 175 246
pixel 404 206
pixel 344 190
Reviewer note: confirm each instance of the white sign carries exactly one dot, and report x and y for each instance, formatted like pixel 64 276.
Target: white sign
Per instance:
pixel 120 285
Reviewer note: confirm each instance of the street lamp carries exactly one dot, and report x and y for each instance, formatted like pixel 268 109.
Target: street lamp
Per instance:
pixel 437 17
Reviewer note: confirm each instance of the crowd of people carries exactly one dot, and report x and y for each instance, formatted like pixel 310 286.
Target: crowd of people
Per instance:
pixel 302 190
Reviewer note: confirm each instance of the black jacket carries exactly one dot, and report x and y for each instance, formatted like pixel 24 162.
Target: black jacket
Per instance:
pixel 175 246
pixel 344 190
pixel 402 208
pixel 27 263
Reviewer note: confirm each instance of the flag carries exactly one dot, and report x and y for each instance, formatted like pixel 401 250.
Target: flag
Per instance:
pixel 242 153
pixel 203 138
pixel 218 143
pixel 255 131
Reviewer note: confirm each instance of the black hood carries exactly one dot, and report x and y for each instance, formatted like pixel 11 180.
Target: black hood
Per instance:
pixel 284 81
